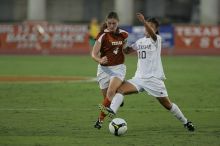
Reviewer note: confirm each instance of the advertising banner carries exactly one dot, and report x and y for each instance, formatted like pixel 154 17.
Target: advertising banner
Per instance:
pixel 166 32
pixel 197 37
pixel 43 38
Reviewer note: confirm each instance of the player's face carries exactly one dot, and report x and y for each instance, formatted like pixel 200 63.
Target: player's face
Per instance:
pixel 112 24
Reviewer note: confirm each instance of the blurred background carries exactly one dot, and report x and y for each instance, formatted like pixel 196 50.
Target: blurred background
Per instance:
pixel 78 11
pixel 63 27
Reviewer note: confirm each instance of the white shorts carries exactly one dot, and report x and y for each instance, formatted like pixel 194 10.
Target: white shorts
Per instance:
pixel 106 73
pixel 152 86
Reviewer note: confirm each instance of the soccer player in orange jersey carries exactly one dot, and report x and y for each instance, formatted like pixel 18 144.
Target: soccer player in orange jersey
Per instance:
pixel 108 52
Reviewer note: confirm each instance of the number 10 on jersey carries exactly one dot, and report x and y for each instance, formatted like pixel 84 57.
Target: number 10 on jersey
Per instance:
pixel 141 54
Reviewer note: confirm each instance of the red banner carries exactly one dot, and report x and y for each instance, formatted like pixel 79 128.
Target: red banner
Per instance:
pixel 43 38
pixel 197 39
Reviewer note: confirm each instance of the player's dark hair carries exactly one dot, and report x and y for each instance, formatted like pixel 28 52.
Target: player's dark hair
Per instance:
pixel 112 15
pixel 103 27
pixel 155 22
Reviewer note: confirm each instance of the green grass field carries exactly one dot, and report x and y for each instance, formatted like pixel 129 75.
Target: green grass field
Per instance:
pixel 63 113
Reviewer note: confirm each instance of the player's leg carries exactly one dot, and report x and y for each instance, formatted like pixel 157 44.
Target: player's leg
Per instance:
pixel 157 88
pixel 124 89
pixel 108 93
pixel 114 84
pixel 103 80
pixel 117 76
pixel 128 87
pixel 104 92
pixel 110 81
pixel 105 102
pixel 174 109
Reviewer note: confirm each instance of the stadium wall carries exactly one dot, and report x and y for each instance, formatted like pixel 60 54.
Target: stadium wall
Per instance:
pixel 45 38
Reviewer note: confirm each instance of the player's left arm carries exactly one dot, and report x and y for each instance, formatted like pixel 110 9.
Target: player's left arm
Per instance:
pixel 146 25
pixel 128 50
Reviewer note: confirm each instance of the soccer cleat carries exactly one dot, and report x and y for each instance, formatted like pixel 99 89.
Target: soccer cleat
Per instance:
pixel 107 111
pixel 122 104
pixel 189 126
pixel 98 124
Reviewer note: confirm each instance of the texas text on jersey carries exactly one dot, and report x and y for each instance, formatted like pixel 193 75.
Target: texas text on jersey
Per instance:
pixel 112 45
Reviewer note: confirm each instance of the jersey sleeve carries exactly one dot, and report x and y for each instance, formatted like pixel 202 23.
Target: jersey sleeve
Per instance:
pixel 100 37
pixel 124 34
pixel 134 46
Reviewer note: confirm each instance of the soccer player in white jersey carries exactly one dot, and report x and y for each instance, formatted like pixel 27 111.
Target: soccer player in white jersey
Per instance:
pixel 149 75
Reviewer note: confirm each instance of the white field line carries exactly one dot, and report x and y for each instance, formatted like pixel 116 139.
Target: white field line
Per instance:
pixel 125 109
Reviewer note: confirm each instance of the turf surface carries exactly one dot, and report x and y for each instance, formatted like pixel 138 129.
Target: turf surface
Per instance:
pixel 63 113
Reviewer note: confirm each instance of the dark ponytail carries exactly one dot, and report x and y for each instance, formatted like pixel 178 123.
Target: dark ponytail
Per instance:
pixel 155 22
pixel 103 27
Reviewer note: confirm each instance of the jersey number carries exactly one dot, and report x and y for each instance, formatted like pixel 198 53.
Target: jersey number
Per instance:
pixel 142 54
pixel 116 51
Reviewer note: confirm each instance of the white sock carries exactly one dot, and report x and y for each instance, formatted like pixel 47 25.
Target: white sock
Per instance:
pixel 178 114
pixel 116 102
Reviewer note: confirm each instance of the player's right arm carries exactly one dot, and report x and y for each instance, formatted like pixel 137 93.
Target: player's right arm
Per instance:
pixel 96 54
pixel 148 28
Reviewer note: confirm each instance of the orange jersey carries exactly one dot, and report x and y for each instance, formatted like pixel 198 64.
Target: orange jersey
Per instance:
pixel 112 45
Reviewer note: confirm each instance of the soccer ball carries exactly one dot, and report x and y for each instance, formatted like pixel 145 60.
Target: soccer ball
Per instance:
pixel 118 126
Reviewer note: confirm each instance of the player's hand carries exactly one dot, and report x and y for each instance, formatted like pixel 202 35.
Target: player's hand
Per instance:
pixel 104 60
pixel 140 17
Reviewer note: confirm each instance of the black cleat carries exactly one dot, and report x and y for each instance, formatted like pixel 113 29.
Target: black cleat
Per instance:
pixel 122 104
pixel 189 126
pixel 107 111
pixel 98 124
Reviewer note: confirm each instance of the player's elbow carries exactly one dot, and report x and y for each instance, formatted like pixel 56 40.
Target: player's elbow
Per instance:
pixel 128 50
pixel 93 56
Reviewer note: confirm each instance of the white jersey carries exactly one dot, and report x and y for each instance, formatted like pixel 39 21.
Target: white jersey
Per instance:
pixel 149 58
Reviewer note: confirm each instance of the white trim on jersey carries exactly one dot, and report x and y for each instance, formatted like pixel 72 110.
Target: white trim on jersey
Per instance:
pixel 100 38
pixel 121 30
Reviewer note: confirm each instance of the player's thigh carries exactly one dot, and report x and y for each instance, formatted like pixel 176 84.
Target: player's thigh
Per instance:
pixel 114 84
pixel 127 88
pixel 154 87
